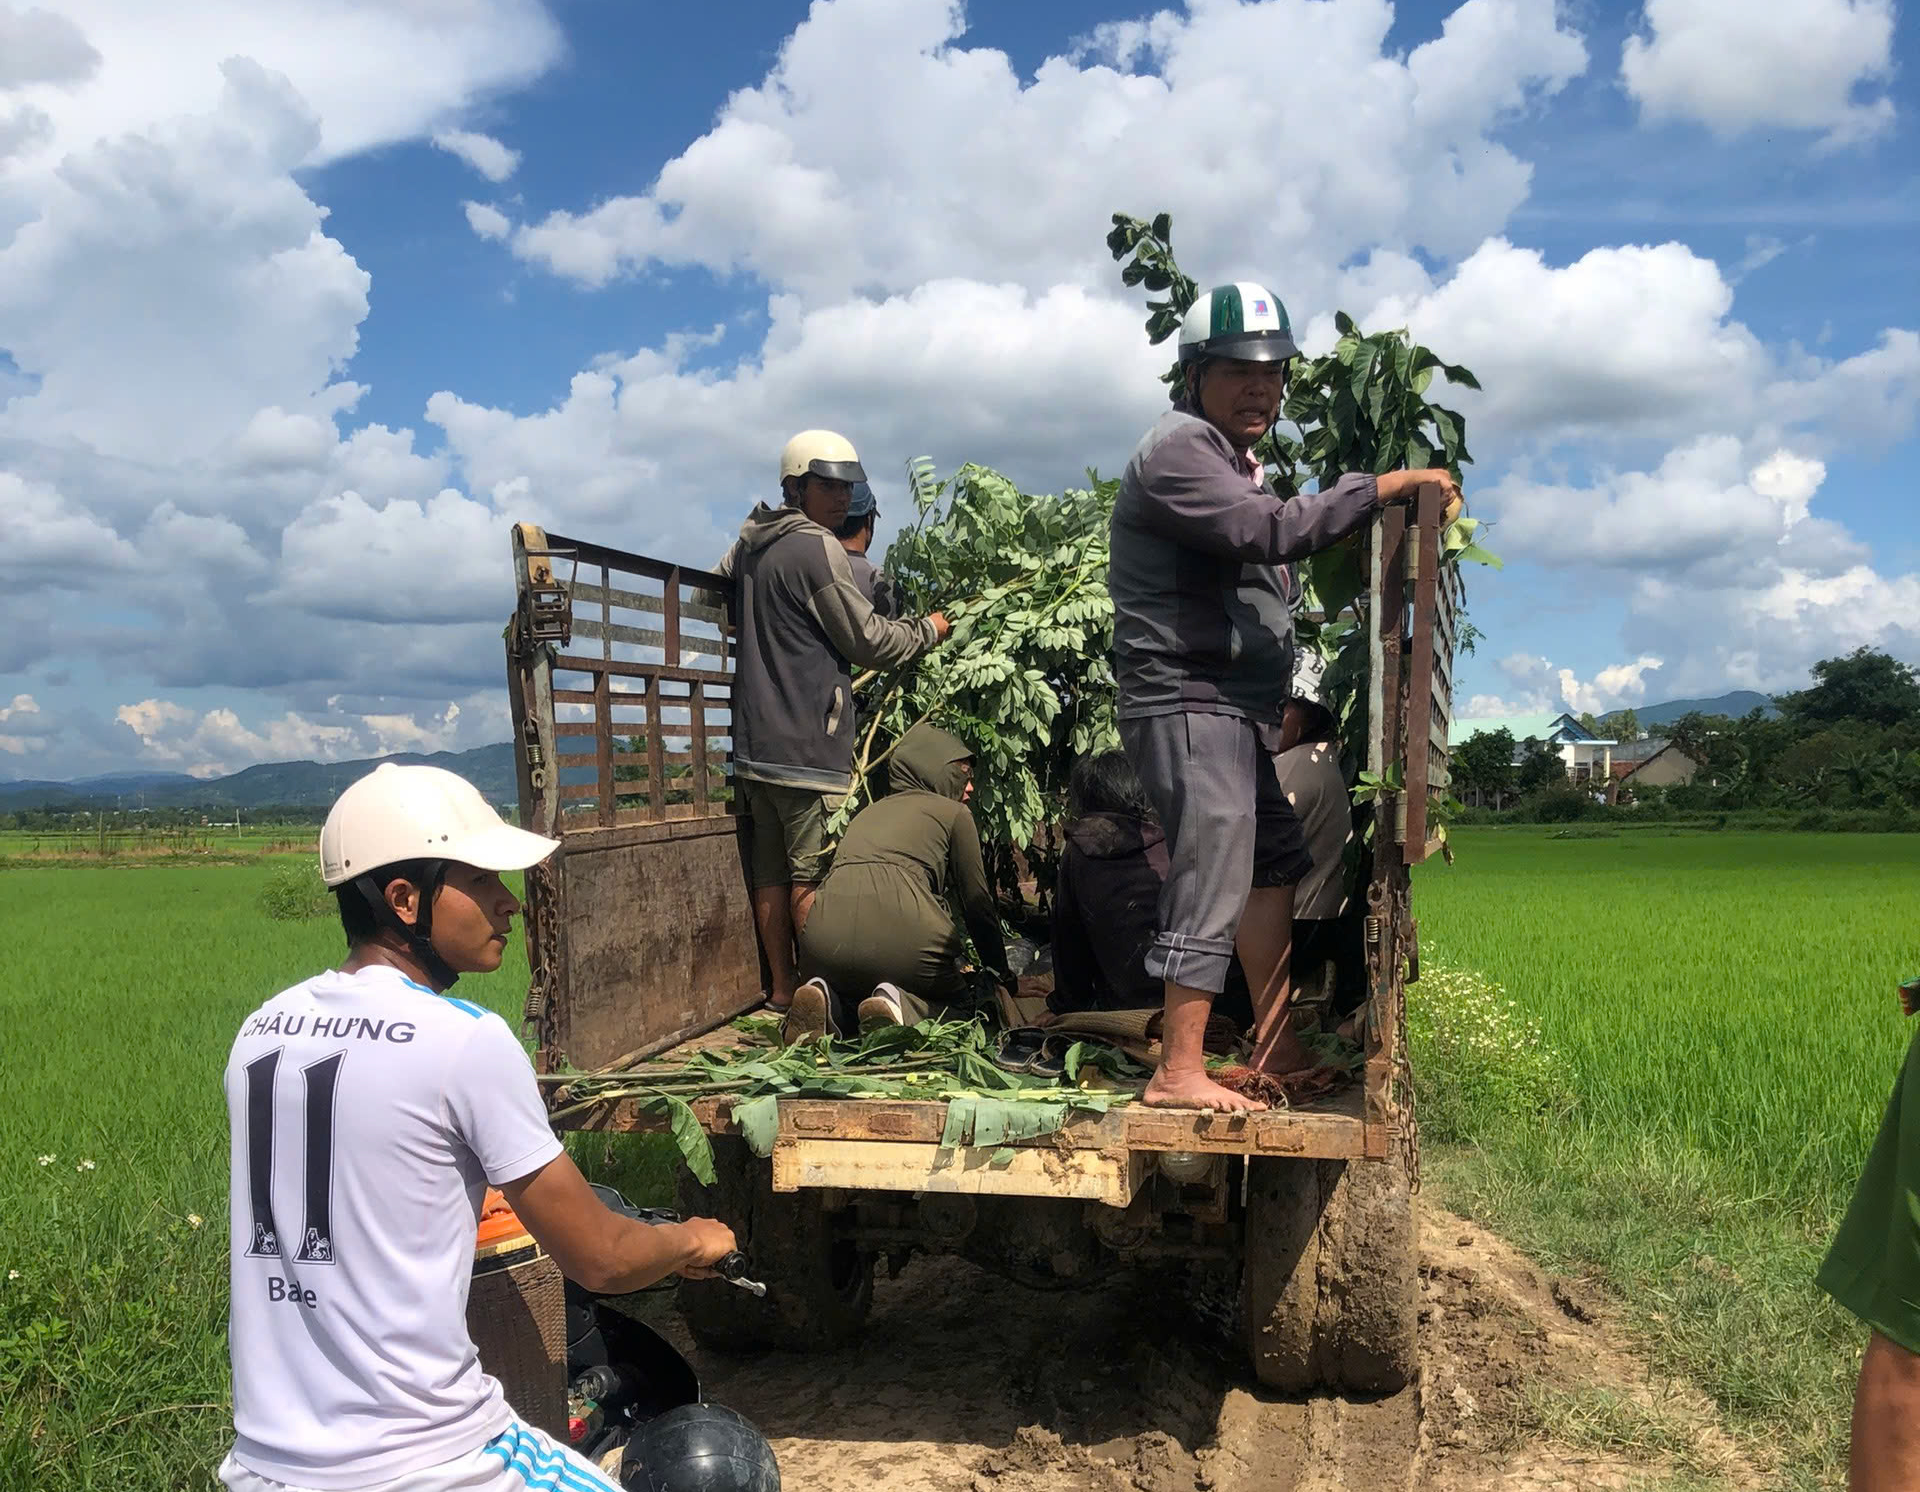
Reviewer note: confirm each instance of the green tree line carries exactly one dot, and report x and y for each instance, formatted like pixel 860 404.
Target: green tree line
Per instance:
pixel 1851 739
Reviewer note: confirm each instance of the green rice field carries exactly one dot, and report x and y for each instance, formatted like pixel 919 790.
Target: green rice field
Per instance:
pixel 1716 1036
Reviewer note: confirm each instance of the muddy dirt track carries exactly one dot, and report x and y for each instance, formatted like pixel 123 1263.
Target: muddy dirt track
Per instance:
pixel 966 1383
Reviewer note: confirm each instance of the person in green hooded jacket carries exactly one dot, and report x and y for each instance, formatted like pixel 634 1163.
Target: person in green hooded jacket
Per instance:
pixel 881 931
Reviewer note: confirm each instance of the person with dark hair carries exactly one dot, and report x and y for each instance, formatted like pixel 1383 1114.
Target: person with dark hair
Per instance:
pixel 1105 899
pixel 856 537
pixel 368 1112
pixel 1328 927
pixel 1203 656
pixel 882 932
pixel 1112 867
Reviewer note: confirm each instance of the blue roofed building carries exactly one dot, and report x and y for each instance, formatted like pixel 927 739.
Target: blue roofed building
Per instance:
pixel 1588 758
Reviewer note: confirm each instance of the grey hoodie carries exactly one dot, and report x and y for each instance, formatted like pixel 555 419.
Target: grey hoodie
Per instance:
pixel 804 625
pixel 1202 610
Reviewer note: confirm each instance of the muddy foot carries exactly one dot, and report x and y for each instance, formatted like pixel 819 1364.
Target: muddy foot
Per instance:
pixel 1195 1090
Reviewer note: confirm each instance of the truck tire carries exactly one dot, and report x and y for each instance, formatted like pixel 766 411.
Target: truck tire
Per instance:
pixel 1329 1295
pixel 819 1285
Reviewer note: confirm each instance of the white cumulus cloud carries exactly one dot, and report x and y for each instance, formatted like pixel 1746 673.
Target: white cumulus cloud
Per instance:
pixel 796 186
pixel 485 154
pixel 1541 686
pixel 1736 65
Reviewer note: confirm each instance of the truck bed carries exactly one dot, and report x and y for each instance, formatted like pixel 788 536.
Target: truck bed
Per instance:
pixel 1333 1127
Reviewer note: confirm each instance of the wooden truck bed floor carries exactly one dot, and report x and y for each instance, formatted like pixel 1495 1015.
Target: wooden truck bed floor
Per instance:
pixel 1334 1127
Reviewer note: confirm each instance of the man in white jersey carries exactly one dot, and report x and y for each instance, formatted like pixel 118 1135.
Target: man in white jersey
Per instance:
pixel 369 1111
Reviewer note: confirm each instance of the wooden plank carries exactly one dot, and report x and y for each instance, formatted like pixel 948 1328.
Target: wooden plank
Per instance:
pixel 1426 537
pixel 592 836
pixel 656 758
pixel 671 625
pixel 638 564
pixel 642 759
pixel 699 753
pixel 1332 1129
pixel 603 752
pixel 643 637
pixel 641 601
pixel 889 1166
pixel 578 664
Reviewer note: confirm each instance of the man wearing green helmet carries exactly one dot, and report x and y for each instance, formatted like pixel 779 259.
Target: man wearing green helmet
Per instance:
pixel 1203 655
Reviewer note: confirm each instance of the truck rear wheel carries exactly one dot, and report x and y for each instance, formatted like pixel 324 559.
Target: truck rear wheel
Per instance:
pixel 1329 1289
pixel 819 1284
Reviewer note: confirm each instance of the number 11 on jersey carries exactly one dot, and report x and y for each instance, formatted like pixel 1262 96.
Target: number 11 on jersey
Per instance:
pixel 322 1082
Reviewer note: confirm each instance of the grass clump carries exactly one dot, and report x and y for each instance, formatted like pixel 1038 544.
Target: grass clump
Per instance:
pixel 1480 1062
pixel 1595 1418
pixel 294 892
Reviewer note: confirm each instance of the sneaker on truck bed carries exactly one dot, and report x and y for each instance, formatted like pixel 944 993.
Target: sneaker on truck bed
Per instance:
pixel 810 1015
pixel 883 1007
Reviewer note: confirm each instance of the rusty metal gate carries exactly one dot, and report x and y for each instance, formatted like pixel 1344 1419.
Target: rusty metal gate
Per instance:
pixel 620 678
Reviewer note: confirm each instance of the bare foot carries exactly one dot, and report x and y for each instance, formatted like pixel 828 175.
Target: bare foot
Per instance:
pixel 1195 1090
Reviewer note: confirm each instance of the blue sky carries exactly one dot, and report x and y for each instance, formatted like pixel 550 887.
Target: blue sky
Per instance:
pixel 277 370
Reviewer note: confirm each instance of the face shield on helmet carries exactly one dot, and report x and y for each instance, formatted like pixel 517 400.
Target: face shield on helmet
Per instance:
pixel 821 453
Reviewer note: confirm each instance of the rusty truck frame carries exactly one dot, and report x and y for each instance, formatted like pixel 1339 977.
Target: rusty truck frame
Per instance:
pixel 641 941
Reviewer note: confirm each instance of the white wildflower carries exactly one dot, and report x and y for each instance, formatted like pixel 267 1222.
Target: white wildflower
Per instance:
pixel 194 1219
pixel 13 1274
pixel 47 1160
pixel 85 1165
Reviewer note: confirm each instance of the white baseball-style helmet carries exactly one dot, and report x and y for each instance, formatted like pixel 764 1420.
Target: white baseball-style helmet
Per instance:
pixel 398 813
pixel 821 453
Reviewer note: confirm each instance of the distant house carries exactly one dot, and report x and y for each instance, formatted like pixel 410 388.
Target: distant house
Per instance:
pixel 1665 765
pixel 1588 757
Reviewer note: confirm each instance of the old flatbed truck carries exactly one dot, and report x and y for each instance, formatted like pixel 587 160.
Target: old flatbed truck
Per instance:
pixel 641 941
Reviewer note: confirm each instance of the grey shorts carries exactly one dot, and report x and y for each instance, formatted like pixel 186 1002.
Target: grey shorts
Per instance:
pixel 1229 829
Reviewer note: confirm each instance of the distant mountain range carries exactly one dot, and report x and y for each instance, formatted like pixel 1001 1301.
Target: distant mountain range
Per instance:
pixel 1736 704
pixel 489 768
pixel 295 784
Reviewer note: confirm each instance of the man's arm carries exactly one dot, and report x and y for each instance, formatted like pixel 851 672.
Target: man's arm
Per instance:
pixel 1196 497
pixel 854 630
pixel 494 1105
pixel 596 1247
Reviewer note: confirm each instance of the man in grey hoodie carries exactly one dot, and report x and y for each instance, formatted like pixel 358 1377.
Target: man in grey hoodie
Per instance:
pixel 804 625
pixel 1203 654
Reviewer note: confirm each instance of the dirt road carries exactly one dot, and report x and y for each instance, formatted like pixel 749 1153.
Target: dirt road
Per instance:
pixel 965 1383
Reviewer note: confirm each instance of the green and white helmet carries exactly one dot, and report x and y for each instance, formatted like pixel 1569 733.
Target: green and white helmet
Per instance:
pixel 1242 320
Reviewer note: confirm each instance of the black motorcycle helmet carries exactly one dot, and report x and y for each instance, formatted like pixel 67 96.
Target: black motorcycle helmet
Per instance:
pixel 699 1448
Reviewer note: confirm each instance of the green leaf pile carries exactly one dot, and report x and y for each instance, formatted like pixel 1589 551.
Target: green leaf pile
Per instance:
pixel 942 1061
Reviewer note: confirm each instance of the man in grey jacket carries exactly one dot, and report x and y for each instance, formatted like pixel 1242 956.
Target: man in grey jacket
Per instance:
pixel 803 626
pixel 1203 654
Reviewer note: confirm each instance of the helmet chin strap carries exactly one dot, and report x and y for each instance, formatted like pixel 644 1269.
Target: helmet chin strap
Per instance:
pixel 418 935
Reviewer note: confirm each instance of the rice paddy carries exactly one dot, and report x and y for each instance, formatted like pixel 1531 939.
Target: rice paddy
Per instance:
pixel 1719 1015
pixel 1709 1021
